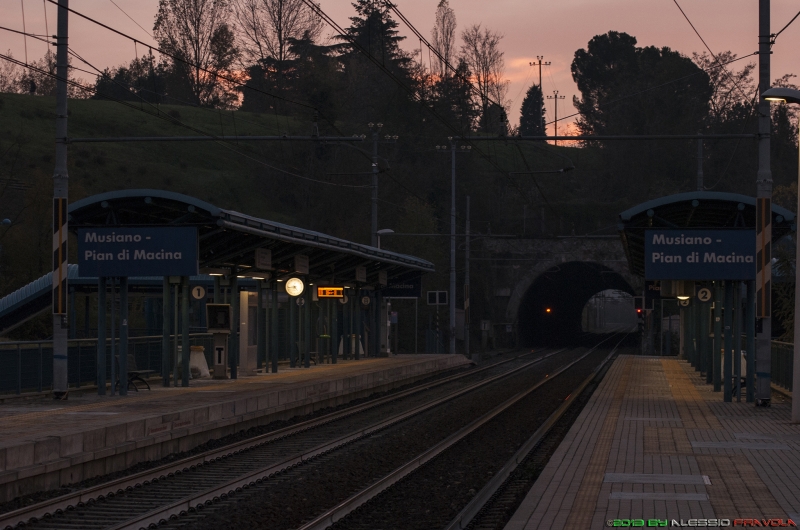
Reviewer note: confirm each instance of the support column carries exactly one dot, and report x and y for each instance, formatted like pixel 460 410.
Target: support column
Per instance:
pixel 113 336
pixel 261 325
pixel 727 373
pixel 750 330
pixel 175 321
pixel 764 214
pixel 273 348
pixel 334 324
pixel 233 346
pixel 737 340
pixel 702 337
pixel 186 349
pixel 165 325
pixel 123 336
pixel 101 336
pixel 292 312
pixel 306 317
pixel 716 355
pixel 217 289
pixel 357 316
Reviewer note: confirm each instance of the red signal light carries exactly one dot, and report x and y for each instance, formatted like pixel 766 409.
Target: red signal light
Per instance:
pixel 638 310
pixel 548 310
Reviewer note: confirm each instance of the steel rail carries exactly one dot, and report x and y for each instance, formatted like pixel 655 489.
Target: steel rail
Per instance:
pixel 82 497
pixel 476 504
pixel 128 139
pixel 255 477
pixel 347 506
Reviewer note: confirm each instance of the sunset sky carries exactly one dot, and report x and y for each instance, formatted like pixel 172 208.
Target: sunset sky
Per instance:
pixel 530 28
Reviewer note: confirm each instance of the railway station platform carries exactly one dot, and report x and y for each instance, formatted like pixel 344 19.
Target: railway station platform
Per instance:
pixel 47 444
pixel 655 442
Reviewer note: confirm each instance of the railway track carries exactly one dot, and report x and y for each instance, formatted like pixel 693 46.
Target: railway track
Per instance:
pixel 162 495
pixel 467 480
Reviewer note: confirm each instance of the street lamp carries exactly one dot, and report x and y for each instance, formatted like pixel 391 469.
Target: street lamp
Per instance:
pixel 789 95
pixel 383 232
pixel 6 222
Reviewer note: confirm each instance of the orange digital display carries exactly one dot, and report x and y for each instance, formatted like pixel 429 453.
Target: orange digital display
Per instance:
pixel 330 292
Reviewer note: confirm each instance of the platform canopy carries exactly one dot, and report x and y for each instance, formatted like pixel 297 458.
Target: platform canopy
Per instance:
pixel 230 239
pixel 694 210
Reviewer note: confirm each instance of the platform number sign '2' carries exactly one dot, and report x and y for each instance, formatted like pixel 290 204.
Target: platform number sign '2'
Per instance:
pixel 704 294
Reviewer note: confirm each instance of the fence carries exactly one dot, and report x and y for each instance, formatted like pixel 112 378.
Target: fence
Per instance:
pixel 27 366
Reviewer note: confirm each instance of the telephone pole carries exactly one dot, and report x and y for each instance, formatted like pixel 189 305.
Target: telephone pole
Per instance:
pixel 555 97
pixel 374 223
pixel 539 63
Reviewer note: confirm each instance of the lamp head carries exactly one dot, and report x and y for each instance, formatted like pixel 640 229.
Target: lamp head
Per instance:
pixel 787 95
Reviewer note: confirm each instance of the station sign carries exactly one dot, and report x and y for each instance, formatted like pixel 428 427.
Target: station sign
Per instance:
pixel 411 288
pixel 146 251
pixel 330 292
pixel 700 255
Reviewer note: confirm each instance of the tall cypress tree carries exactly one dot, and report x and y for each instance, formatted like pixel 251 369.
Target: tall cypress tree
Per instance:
pixel 531 120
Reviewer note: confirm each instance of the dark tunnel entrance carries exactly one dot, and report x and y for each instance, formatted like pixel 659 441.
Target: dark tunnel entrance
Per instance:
pixel 550 312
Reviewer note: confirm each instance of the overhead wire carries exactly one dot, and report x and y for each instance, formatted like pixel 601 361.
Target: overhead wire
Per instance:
pixel 131 19
pixel 775 35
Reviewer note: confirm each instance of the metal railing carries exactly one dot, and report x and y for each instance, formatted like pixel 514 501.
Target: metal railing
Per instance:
pixel 27 366
pixel 782 364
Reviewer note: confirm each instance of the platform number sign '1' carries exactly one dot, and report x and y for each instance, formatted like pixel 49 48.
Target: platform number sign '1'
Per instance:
pixel 763 256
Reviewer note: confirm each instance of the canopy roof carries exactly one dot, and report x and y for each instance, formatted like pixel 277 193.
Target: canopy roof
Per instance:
pixel 698 209
pixel 228 238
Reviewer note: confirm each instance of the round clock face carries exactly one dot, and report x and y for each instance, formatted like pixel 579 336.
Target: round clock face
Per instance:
pixel 294 286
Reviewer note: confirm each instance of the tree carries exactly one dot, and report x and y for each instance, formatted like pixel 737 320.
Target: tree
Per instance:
pixel 198 33
pixel 531 119
pixel 374 31
pixel 453 98
pixel 444 36
pixel 481 51
pixel 729 88
pixel 265 28
pixel 632 90
pixel 140 80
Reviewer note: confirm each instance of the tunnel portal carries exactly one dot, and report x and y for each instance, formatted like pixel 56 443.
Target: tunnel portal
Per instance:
pixel 550 312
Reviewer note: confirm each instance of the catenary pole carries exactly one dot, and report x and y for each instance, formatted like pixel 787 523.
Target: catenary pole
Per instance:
pixel 466 286
pixel 763 215
pixel 452 246
pixel 374 213
pixel 60 197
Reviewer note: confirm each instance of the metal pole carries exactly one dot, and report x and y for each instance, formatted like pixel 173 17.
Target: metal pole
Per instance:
pixel 737 340
pixel 764 214
pixel 306 310
pixel 374 213
pixel 60 197
pixel 716 358
pixel 273 352
pixel 796 365
pixel 174 327
pixel 661 328
pixel 416 325
pixel 113 335
pixel 273 349
pixel 750 316
pixel 101 336
pixel 466 286
pixel 728 368
pixel 261 325
pixel 453 248
pixel 123 336
pixel 165 325
pixel 334 331
pixel 357 317
pixel 291 309
pixel 233 355
pixel 186 349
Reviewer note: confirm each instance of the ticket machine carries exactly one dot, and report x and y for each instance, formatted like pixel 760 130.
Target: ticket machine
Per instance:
pixel 218 317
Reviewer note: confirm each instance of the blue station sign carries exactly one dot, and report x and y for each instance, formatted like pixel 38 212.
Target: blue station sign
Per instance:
pixel 411 288
pixel 700 255
pixel 148 251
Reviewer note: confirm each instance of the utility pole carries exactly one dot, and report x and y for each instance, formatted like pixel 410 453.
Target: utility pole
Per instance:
pixel 539 63
pixel 555 97
pixel 374 224
pixel 763 216
pixel 60 196
pixel 466 286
